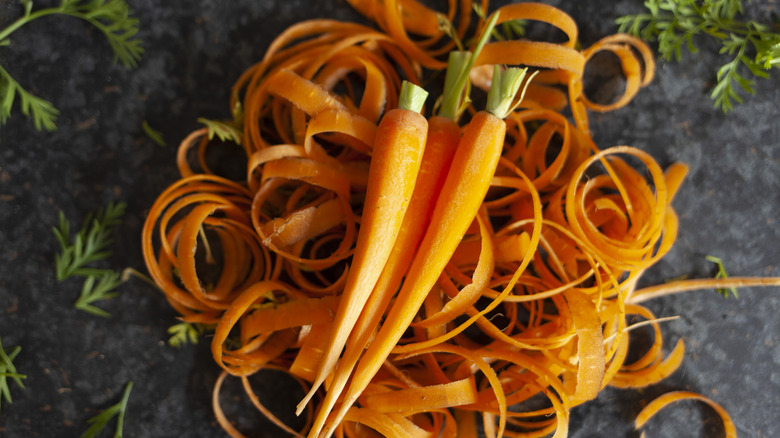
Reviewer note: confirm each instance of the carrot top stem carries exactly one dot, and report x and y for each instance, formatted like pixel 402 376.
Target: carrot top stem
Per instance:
pixel 456 80
pixel 501 99
pixel 452 96
pixel 412 97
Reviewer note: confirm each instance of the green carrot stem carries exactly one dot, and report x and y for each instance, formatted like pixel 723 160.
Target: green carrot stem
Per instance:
pixel 412 97
pixel 503 89
pixel 458 68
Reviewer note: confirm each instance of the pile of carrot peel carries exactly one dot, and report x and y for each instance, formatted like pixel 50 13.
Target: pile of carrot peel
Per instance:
pixel 424 273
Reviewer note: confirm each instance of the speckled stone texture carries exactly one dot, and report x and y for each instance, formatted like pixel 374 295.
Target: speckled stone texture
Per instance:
pixel 77 363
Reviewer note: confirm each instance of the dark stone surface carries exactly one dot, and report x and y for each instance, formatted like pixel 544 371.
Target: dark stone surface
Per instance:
pixel 77 363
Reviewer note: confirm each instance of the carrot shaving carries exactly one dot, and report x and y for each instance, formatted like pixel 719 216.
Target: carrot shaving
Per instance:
pixel 665 400
pixel 457 393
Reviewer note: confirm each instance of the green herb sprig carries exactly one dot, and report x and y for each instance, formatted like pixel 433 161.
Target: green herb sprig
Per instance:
pixel 184 333
pixel 102 290
pixel 8 371
pixel 228 131
pixel 99 421
pixel 722 274
pixel 112 17
pixel 675 24
pixel 153 134
pixel 90 245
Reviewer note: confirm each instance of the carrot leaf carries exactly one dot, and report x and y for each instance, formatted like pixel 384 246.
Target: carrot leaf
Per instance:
pixel 446 26
pixel 183 333
pixel 89 244
pixel 722 274
pixel 103 290
pixel 8 370
pixel 112 17
pixel 42 111
pixel 153 134
pixel 99 421
pixel 224 130
pixel 675 24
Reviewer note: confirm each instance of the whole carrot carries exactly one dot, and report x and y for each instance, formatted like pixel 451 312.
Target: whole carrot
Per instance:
pixel 395 162
pixel 462 194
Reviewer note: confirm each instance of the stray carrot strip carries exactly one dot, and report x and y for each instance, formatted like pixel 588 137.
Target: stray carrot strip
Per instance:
pixel 471 293
pixel 222 419
pixel 467 423
pixel 670 397
pixel 344 122
pixel 181 156
pixel 533 53
pixel 306 95
pixel 388 425
pixel 652 374
pixel 541 12
pixel 675 287
pixel 240 364
pixel 631 69
pixel 311 351
pixel 268 414
pixel 304 224
pixel 590 346
pixel 417 18
pixel 644 50
pixel 413 400
pixel 295 313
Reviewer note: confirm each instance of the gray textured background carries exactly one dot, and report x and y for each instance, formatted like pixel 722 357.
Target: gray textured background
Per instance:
pixel 77 363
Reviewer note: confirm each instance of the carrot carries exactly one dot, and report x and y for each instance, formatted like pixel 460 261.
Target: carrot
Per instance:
pixel 396 157
pixel 464 188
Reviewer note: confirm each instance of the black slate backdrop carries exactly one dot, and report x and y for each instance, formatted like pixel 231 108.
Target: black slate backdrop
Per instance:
pixel 77 363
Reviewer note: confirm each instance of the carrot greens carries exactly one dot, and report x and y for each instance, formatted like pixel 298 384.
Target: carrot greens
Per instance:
pixel 112 17
pixel 675 24
pixel 722 274
pixel 224 130
pixel 101 420
pixel 98 288
pixel 183 333
pixel 90 243
pixel 8 371
pixel 153 134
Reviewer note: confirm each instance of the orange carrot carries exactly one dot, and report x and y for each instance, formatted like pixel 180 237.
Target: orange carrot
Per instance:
pixel 465 187
pixel 396 157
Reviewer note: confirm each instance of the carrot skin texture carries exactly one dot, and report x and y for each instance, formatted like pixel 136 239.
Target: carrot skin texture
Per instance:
pixel 397 154
pixel 462 194
pixel 441 144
